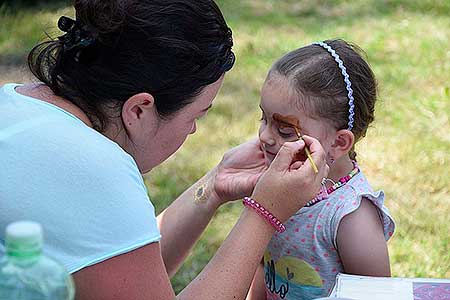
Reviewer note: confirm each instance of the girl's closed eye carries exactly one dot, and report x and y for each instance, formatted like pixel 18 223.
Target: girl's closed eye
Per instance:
pixel 286 132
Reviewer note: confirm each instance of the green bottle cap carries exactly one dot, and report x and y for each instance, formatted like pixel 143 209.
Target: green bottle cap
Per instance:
pixel 23 239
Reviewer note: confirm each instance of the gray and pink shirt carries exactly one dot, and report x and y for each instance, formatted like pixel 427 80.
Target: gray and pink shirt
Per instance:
pixel 302 262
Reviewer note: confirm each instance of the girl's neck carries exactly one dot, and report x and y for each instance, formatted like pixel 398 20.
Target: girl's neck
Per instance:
pixel 340 168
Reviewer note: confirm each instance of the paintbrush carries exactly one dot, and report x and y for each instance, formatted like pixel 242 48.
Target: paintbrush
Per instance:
pixel 292 122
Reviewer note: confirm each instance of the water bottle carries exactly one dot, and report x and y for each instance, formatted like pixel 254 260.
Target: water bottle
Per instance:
pixel 26 273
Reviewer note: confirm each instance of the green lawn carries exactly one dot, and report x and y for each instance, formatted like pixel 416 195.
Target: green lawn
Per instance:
pixel 406 152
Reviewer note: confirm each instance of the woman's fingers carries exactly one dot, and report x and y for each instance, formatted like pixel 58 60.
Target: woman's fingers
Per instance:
pixel 286 155
pixel 316 149
pixel 296 165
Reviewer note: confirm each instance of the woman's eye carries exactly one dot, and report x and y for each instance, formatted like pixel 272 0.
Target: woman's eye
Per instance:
pixel 201 116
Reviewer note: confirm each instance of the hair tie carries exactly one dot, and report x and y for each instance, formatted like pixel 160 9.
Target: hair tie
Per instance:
pixel 347 81
pixel 76 36
pixel 65 23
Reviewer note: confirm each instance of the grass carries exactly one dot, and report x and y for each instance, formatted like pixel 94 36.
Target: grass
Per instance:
pixel 406 152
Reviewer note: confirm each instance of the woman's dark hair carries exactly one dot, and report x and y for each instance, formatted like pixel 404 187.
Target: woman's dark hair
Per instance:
pixel 317 79
pixel 115 49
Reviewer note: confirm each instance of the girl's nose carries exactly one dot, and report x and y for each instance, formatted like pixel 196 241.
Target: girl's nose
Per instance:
pixel 266 137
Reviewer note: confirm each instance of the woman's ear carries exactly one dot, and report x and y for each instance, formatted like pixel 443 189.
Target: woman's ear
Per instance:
pixel 137 110
pixel 343 143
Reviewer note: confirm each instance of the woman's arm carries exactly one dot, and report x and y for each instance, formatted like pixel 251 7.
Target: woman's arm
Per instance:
pixel 257 289
pixel 182 223
pixel 230 273
pixel 361 243
pixel 137 275
pixel 140 274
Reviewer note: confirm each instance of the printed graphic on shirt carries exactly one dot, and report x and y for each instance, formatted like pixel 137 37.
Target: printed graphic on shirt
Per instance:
pixel 291 278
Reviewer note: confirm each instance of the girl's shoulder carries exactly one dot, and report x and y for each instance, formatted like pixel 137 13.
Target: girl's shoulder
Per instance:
pixel 348 199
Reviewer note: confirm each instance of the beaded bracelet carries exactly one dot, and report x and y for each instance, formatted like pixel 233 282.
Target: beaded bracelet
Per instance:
pixel 264 213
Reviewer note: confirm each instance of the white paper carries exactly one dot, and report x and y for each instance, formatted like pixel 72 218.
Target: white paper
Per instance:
pixel 379 288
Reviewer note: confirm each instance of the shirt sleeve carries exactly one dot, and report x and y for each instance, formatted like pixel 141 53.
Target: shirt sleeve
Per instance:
pixel 352 202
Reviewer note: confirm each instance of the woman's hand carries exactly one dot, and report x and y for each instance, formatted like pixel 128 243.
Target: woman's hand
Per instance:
pixel 236 175
pixel 182 223
pixel 290 181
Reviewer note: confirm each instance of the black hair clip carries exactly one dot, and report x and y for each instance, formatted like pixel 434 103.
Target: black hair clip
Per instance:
pixel 65 23
pixel 229 36
pixel 76 37
pixel 230 57
pixel 229 63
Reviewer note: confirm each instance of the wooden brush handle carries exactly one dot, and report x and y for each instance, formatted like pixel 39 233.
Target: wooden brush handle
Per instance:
pixel 308 154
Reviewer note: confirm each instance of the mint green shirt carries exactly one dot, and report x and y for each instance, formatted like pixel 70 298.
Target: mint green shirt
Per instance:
pixel 83 188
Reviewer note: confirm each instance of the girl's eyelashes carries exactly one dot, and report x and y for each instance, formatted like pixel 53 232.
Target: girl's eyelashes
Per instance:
pixel 286 132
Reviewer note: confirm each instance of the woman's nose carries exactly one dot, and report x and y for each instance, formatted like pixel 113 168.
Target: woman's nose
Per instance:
pixel 194 128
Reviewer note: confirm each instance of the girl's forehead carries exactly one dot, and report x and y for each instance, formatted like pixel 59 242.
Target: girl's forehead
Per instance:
pixel 277 96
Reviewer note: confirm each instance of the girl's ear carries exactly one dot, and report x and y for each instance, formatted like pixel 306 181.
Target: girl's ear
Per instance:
pixel 343 143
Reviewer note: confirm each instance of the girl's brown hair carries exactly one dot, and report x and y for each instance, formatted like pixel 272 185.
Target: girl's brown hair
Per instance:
pixel 317 79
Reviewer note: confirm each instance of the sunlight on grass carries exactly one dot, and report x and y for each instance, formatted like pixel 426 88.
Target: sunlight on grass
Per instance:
pixel 22 28
pixel 406 152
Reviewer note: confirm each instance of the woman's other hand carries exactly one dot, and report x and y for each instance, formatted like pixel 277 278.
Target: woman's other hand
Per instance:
pixel 236 175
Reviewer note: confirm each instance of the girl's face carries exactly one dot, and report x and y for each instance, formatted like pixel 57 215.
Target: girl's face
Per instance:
pixel 277 97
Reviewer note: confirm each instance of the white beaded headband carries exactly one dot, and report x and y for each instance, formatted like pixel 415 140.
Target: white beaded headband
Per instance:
pixel 346 80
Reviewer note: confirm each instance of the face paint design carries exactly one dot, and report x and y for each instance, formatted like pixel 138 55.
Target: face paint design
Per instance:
pixel 291 121
pixel 288 121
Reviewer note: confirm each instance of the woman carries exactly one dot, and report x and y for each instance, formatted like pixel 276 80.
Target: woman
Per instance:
pixel 121 90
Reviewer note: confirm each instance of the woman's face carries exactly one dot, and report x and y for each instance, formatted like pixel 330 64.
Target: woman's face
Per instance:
pixel 277 98
pixel 166 137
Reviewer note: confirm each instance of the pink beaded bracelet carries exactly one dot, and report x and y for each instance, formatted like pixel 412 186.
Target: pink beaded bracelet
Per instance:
pixel 264 213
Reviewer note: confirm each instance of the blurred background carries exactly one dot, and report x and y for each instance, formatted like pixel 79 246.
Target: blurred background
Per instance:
pixel 406 152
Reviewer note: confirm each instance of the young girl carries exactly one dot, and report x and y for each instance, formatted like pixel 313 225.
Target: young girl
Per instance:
pixel 329 91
